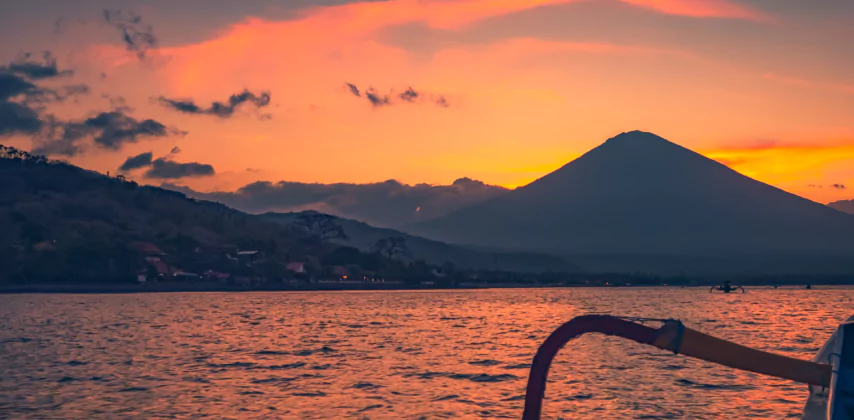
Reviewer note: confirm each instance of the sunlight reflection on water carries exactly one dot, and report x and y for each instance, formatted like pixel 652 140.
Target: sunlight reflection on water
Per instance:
pixel 436 354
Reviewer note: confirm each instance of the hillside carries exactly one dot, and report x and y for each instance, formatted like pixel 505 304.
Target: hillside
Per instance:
pixel 846 206
pixel 640 202
pixel 364 237
pixel 62 223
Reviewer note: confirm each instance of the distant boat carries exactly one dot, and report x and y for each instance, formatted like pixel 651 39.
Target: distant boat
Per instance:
pixel 830 379
pixel 727 287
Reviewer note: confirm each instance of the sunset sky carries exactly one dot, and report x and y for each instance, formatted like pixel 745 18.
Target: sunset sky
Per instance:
pixel 503 91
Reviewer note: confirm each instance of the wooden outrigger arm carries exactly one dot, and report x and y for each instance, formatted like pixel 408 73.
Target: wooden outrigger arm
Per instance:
pixel 672 336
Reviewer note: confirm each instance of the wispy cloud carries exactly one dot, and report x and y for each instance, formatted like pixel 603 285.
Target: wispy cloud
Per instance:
pixel 46 68
pixel 386 203
pixel 218 109
pixel 702 8
pixel 409 95
pixel 783 162
pixel 443 14
pixel 137 36
pixel 810 84
pixel 118 103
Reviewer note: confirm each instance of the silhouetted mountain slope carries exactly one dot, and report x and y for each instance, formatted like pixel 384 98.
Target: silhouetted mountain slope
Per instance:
pixel 846 206
pixel 61 223
pixel 639 194
pixel 363 236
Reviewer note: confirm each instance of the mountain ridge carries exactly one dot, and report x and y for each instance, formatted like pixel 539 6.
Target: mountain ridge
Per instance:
pixel 389 204
pixel 640 194
pixel 845 206
pixel 364 236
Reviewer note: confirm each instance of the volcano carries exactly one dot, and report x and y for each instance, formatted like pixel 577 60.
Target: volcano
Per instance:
pixel 638 197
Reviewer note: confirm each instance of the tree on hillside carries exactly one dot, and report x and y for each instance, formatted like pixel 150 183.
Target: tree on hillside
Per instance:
pixel 348 256
pixel 318 226
pixel 392 247
pixel 17 155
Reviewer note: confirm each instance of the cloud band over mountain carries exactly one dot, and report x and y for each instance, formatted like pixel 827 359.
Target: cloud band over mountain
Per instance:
pixel 388 203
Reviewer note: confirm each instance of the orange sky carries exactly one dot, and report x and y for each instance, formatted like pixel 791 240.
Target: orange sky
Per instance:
pixel 764 86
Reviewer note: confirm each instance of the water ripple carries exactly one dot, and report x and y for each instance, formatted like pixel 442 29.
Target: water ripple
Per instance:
pixel 436 354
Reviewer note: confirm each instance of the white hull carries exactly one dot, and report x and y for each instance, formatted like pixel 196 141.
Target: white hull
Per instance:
pixel 816 406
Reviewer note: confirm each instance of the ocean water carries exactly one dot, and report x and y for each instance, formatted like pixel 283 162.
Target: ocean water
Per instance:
pixel 392 355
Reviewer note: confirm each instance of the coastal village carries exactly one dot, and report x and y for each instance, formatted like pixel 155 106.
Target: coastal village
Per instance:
pixel 157 269
pixel 251 269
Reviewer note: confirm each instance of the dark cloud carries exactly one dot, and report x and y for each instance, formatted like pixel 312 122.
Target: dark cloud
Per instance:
pixel 112 129
pixel 18 79
pixel 138 37
pixel 118 103
pixel 12 85
pixel 181 105
pixel 139 161
pixel 219 109
pixel 166 169
pixel 836 186
pixel 175 150
pixel 107 130
pixel 409 95
pixel 22 101
pixel 22 111
pixel 19 119
pixel 389 203
pixel 43 96
pixel 354 90
pixel 45 68
pixel 376 98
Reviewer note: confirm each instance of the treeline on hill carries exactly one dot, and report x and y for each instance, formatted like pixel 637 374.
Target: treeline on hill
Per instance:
pixel 62 223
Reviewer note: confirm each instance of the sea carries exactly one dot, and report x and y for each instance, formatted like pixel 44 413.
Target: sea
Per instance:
pixel 454 354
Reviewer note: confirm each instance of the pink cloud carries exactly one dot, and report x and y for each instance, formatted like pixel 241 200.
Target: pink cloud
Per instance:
pixel 701 8
pixel 805 83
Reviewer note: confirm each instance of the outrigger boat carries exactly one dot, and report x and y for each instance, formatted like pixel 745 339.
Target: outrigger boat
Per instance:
pixel 829 376
pixel 727 287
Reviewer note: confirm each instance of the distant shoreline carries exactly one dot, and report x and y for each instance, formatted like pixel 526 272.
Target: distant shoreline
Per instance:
pixel 217 287
pixel 322 287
